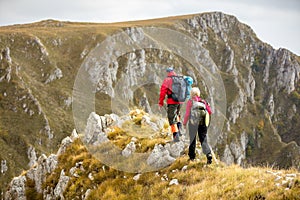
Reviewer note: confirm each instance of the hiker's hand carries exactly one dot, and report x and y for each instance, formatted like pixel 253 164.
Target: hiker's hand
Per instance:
pixel 184 126
pixel 160 107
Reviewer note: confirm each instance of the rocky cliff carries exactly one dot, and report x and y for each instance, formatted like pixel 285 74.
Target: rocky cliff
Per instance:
pixel 253 88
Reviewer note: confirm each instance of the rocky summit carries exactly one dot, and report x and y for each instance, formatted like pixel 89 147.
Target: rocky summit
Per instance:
pixel 58 76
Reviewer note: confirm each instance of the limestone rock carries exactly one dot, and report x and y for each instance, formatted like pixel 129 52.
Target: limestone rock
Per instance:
pixel 45 165
pixel 129 149
pixel 146 121
pixel 176 149
pixel 4 166
pixel 32 156
pixel 94 130
pixel 61 185
pixel 57 74
pixel 145 104
pixel 6 61
pixel 136 177
pixel 17 189
pixel 174 182
pixel 160 157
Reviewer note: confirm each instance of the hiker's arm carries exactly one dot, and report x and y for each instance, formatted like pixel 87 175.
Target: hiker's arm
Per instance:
pixel 163 92
pixel 187 112
pixel 208 108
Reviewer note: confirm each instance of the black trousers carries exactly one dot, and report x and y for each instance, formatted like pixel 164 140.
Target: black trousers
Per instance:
pixel 202 134
pixel 173 112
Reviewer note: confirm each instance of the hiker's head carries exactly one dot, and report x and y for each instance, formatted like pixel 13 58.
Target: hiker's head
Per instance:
pixel 195 92
pixel 169 69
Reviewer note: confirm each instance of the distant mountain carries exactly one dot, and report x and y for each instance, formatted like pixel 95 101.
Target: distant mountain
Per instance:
pixel 256 103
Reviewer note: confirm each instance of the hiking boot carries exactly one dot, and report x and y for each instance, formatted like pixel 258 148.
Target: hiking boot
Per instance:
pixel 176 137
pixel 179 125
pixel 179 133
pixel 209 158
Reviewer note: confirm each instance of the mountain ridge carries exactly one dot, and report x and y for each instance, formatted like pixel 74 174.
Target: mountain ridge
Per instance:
pixel 39 65
pixel 83 175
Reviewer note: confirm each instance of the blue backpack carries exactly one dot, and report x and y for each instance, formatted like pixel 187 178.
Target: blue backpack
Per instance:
pixel 189 82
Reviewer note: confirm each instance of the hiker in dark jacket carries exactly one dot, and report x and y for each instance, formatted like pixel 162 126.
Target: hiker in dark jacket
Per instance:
pixel 173 107
pixel 201 129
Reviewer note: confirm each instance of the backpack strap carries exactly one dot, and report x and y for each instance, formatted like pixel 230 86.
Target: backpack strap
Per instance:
pixel 169 89
pixel 170 95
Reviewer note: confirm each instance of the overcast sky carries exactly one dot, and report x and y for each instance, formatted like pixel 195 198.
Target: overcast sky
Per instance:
pixel 276 22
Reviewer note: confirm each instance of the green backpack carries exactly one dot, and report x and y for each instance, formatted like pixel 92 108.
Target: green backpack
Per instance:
pixel 198 113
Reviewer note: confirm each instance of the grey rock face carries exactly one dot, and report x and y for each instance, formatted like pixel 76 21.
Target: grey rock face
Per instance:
pixel 4 166
pixel 45 165
pixel 6 60
pixel 38 174
pixel 57 74
pixel 160 157
pixel 61 185
pixel 175 149
pixel 145 104
pixel 16 189
pixel 32 156
pixel 129 149
pixel 94 132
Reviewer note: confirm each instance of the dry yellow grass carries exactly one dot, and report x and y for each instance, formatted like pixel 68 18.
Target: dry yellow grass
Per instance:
pixel 198 181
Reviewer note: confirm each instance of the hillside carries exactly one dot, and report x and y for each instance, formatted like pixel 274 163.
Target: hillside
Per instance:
pixel 54 74
pixel 75 173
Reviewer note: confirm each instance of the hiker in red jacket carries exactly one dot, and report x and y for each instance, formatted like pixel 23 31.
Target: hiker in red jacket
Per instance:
pixel 201 129
pixel 173 106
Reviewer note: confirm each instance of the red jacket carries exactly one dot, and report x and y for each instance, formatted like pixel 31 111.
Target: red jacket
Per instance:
pixel 189 106
pixel 166 89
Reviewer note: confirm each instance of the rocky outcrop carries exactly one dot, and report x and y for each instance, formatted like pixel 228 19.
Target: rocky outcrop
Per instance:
pixel 235 152
pixel 96 128
pixel 95 135
pixel 4 167
pixel 61 185
pixel 17 189
pixel 161 156
pixel 130 148
pixel 57 74
pixel 6 63
pixel 288 70
pixel 38 174
pixel 144 104
pixel 45 165
pixel 164 155
pixel 31 156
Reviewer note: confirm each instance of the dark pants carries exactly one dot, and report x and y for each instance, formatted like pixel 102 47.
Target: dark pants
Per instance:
pixel 202 132
pixel 173 112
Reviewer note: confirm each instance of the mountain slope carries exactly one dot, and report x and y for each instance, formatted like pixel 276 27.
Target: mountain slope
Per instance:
pixel 74 173
pixel 39 64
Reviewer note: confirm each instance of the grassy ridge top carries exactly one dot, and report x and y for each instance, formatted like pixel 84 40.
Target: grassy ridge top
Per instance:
pixel 183 179
pixel 196 180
